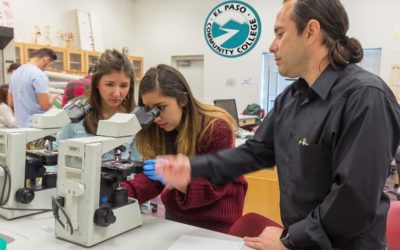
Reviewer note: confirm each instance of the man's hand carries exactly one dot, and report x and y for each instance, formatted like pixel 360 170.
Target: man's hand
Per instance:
pixel 269 239
pixel 175 169
pixel 45 100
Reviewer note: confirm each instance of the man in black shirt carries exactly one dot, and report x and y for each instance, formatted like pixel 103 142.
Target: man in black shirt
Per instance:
pixel 332 135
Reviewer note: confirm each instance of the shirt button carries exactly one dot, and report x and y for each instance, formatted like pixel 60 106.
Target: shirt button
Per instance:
pixel 292 133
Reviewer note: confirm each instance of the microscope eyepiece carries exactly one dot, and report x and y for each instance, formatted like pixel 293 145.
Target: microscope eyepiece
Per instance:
pixel 76 111
pixel 146 116
pixel 154 112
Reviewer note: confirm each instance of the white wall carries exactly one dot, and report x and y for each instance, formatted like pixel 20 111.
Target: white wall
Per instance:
pixel 373 23
pixel 116 20
pixel 159 29
pixel 175 27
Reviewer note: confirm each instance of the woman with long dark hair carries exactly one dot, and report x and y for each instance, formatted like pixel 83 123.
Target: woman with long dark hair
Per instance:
pixel 189 127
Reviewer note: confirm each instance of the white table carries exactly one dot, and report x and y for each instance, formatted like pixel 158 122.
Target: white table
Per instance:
pixel 37 232
pixel 239 141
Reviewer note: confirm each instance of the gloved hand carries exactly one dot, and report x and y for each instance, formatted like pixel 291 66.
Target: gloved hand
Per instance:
pixel 149 169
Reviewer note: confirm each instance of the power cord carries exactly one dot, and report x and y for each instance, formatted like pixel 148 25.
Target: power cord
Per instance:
pixel 56 205
pixel 7 178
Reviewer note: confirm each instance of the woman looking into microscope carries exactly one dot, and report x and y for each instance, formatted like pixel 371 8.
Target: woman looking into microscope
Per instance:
pixel 189 127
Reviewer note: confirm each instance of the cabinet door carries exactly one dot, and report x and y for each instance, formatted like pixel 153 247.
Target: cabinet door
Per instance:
pixel 263 194
pixel 137 64
pixel 91 59
pixel 19 53
pixel 75 62
pixel 59 64
pixel 29 49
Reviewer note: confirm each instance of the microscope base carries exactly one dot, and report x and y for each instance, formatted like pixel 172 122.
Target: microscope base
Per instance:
pixel 89 234
pixel 42 200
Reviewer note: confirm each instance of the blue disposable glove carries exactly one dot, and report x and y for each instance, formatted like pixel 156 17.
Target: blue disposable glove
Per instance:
pixel 149 169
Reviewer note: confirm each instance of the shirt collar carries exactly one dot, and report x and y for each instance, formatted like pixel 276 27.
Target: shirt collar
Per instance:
pixel 322 85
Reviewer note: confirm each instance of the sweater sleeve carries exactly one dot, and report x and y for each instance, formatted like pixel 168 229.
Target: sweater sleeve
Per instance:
pixel 201 192
pixel 142 188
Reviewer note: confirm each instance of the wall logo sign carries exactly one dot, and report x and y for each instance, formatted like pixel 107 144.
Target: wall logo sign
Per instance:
pixel 232 29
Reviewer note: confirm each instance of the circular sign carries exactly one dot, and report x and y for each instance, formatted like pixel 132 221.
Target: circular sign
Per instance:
pixel 232 29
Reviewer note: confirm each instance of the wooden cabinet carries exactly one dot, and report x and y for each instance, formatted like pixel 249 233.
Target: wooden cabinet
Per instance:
pixel 137 64
pixel 263 194
pixel 75 61
pixel 72 60
pixel 91 58
pixel 24 51
pixel 59 65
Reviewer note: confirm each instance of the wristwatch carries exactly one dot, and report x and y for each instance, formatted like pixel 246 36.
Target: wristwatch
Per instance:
pixel 285 239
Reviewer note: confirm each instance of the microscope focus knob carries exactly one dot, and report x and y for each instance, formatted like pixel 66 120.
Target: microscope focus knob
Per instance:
pixel 41 170
pixel 104 216
pixel 110 218
pixel 24 195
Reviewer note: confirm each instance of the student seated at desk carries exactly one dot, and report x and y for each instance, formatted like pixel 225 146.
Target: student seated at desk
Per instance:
pixel 188 127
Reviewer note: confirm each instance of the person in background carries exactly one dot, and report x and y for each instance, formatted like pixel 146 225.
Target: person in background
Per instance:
pixel 75 88
pixel 189 127
pixel 12 68
pixel 29 87
pixel 7 119
pixel 332 135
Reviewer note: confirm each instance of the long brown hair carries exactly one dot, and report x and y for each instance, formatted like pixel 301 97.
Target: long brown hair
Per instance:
pixel 3 93
pixel 335 23
pixel 197 117
pixel 110 61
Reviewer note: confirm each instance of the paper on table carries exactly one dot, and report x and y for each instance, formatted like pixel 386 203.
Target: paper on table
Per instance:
pixel 187 242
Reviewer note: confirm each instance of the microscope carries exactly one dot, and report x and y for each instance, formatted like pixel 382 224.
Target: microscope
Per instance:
pixel 93 206
pixel 26 187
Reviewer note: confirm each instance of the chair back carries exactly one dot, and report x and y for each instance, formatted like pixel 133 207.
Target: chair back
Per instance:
pixel 251 225
pixel 393 226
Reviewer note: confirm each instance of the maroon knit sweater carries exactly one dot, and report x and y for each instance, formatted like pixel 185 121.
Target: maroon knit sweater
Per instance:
pixel 204 205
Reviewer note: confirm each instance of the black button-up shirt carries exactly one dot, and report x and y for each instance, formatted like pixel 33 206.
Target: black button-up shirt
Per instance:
pixel 333 144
